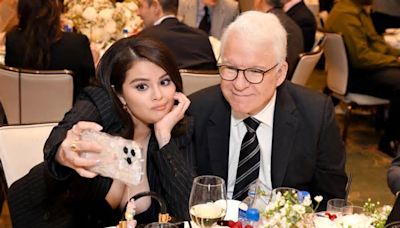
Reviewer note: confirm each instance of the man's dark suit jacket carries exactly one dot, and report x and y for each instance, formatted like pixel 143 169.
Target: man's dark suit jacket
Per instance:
pixel 306 21
pixel 71 52
pixel 190 46
pixel 295 43
pixel 307 150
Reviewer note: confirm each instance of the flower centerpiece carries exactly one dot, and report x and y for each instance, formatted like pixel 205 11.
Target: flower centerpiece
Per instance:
pixel 102 21
pixel 291 209
pixel 287 209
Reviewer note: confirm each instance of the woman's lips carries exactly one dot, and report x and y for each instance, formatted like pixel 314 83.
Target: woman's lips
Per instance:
pixel 160 107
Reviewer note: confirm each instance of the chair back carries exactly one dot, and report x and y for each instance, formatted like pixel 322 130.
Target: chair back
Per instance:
pixel 197 80
pixel 306 64
pixel 35 96
pixel 21 148
pixel 336 63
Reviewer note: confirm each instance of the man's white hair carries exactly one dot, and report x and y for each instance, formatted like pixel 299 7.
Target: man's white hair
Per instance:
pixel 259 28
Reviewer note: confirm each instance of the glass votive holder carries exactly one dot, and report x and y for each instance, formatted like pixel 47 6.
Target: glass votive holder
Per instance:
pixel 337 205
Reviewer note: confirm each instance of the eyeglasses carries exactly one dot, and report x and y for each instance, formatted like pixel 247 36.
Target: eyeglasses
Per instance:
pixel 252 75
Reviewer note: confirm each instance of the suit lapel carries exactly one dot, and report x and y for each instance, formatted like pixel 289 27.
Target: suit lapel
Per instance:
pixel 218 132
pixel 284 133
pixel 217 18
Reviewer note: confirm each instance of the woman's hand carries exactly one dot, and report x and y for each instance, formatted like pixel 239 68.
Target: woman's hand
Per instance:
pixel 69 155
pixel 163 127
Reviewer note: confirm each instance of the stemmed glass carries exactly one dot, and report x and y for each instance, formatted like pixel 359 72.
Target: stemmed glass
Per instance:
pixel 207 203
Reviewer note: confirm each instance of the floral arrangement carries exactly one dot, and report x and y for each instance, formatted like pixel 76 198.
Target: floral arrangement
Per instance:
pixel 291 209
pixel 102 21
pixel 287 209
pixel 378 214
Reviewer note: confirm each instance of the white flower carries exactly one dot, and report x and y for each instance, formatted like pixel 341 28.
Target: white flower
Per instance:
pixel 111 27
pixel 307 201
pixel 90 14
pixel 318 199
pixel 106 14
pixel 102 20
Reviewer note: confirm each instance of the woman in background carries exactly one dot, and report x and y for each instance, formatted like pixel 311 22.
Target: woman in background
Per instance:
pixel 38 43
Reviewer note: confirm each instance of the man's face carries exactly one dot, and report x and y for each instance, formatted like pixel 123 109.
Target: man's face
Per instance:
pixel 244 97
pixel 147 13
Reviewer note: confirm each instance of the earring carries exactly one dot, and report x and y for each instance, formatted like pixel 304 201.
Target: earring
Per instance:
pixel 125 107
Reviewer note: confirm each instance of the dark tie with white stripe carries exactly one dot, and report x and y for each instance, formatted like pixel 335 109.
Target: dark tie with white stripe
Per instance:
pixel 249 160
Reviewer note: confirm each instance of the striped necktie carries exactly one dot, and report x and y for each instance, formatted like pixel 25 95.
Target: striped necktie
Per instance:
pixel 249 160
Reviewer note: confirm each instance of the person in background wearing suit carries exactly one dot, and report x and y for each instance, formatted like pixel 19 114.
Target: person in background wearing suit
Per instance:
pixel 297 143
pixel 299 12
pixel 212 16
pixel 136 89
pixel 393 175
pixel 386 14
pixel 190 46
pixel 295 39
pixel 38 43
pixel 374 66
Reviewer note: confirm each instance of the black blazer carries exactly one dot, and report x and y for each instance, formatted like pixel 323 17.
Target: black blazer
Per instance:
pixel 190 46
pixel 295 40
pixel 307 150
pixel 52 195
pixel 306 21
pixel 71 52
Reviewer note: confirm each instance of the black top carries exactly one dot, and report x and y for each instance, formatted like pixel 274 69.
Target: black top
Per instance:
pixel 71 52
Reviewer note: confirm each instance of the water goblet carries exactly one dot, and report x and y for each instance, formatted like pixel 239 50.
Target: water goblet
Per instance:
pixel 337 206
pixel 207 203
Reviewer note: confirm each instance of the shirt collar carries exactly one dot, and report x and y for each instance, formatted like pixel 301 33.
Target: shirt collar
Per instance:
pixel 161 19
pixel 265 116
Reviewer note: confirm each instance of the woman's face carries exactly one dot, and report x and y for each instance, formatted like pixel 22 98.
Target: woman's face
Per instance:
pixel 148 92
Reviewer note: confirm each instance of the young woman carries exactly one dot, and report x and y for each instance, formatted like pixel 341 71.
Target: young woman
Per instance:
pixel 38 43
pixel 138 96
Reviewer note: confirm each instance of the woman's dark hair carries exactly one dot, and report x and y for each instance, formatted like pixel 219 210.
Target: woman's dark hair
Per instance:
pixel 120 57
pixel 39 22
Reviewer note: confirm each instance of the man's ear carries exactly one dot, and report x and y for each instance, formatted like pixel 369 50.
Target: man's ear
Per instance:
pixel 281 74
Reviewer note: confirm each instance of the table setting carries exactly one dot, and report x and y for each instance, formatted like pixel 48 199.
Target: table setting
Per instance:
pixel 281 207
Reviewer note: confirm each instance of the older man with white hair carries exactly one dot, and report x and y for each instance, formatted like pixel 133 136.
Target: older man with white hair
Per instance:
pixel 258 126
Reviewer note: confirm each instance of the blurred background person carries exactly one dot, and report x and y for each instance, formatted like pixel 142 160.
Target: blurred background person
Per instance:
pixel 295 40
pixel 212 16
pixel 302 15
pixel 374 66
pixel 393 175
pixel 386 14
pixel 38 43
pixel 190 46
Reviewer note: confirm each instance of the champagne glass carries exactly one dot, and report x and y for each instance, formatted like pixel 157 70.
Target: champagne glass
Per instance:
pixel 207 203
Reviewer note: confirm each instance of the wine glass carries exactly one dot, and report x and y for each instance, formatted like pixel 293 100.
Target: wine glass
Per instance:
pixel 207 203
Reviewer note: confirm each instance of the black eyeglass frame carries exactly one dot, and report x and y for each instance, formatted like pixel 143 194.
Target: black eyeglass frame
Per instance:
pixel 263 72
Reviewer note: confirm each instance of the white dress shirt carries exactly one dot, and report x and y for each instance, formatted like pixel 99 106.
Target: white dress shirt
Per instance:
pixel 161 19
pixel 264 136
